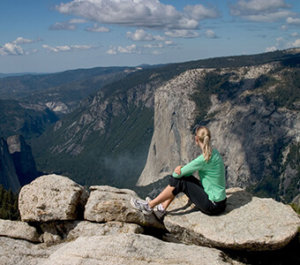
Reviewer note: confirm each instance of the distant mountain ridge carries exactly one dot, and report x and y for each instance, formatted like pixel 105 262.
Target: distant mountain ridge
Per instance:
pixel 61 92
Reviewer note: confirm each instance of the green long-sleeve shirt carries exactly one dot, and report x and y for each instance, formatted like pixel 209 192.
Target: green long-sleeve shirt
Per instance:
pixel 212 175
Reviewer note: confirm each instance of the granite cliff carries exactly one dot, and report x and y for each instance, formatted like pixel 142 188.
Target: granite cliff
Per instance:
pixel 257 134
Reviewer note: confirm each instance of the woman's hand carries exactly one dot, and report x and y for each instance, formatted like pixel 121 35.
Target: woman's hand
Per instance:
pixel 178 170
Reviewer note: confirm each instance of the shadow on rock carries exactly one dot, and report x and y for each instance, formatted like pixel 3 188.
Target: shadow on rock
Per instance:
pixel 236 198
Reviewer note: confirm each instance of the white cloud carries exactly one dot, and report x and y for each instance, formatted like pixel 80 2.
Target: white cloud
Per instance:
pixel 261 10
pixel 294 21
pixel 296 43
pixel 154 46
pixel 295 34
pixel 65 48
pixel 11 49
pixel 279 39
pixel 271 49
pixel 77 21
pixel 137 13
pixel 156 52
pixel 260 5
pixel 199 12
pixel 14 47
pixel 159 45
pixel 97 28
pixel 284 27
pixel 21 40
pixel 182 33
pixel 63 26
pixel 128 49
pixel 210 34
pixel 169 42
pixel 142 35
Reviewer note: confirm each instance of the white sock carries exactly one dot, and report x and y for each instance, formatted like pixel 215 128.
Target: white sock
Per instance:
pixel 160 208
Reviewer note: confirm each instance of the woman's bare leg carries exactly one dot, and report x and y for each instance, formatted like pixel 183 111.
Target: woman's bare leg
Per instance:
pixel 166 203
pixel 165 197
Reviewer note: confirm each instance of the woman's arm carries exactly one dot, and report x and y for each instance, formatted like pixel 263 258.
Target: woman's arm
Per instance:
pixel 189 168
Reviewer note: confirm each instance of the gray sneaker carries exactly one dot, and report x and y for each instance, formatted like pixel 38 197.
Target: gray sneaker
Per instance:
pixel 158 210
pixel 141 205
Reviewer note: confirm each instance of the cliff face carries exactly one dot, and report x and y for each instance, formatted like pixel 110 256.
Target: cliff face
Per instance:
pixel 257 135
pixel 17 165
pixel 23 160
pixel 174 114
pixel 8 176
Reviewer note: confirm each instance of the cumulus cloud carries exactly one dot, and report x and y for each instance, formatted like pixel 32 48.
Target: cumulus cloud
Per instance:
pixel 77 21
pixel 210 34
pixel 128 49
pixel 142 35
pixel 284 27
pixel 141 13
pixel 97 28
pixel 159 45
pixel 295 34
pixel 65 48
pixel 14 47
pixel 182 33
pixel 63 26
pixel 67 25
pixel 21 40
pixel 199 12
pixel 261 10
pixel 296 43
pixel 294 21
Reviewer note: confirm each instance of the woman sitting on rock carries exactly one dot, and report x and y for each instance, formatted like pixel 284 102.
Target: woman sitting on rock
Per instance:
pixel 208 193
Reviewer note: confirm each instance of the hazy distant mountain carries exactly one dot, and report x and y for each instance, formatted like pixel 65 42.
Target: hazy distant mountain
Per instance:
pixel 106 140
pixel 60 92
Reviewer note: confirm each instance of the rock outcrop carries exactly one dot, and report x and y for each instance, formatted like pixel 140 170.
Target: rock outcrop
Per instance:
pixel 112 232
pixel 133 249
pixel 21 252
pixel 20 230
pixel 107 204
pixel 248 223
pixel 50 198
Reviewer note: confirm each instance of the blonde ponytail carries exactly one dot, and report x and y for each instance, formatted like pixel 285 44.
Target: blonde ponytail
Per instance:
pixel 204 137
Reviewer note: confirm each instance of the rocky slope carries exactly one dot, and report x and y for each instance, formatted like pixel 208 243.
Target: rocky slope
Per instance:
pixel 54 231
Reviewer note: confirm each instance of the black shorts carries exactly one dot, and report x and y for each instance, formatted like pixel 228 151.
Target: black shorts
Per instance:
pixel 193 188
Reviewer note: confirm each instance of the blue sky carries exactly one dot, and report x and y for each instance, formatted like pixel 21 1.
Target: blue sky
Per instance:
pixel 57 35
